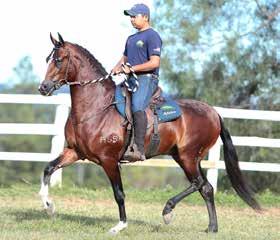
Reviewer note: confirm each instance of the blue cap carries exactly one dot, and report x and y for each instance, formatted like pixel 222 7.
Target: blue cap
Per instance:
pixel 138 9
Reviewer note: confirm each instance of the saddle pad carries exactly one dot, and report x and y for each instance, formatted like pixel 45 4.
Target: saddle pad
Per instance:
pixel 167 111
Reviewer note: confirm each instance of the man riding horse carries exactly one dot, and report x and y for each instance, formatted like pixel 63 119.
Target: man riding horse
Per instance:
pixel 142 52
pixel 95 128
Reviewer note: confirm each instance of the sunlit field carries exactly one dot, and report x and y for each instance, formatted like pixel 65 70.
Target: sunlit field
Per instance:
pixel 89 214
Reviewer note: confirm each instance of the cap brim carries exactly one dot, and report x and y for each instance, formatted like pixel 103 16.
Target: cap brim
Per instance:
pixel 129 13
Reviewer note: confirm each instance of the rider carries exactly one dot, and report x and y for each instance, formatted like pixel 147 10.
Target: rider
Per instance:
pixel 142 52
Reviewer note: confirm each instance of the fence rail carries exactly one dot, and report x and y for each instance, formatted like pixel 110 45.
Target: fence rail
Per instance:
pixel 56 130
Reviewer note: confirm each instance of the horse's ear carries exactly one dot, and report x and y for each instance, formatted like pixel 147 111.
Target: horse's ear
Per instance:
pixel 54 41
pixel 60 39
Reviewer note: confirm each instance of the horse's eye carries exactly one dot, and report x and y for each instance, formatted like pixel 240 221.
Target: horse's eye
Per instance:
pixel 58 62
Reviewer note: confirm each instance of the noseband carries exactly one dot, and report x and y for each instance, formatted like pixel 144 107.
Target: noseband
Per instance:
pixel 58 63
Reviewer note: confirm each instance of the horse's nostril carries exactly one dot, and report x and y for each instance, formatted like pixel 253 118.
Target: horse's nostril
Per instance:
pixel 43 88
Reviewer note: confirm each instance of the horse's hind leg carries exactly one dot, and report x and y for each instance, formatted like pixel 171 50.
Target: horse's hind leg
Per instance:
pixel 189 161
pixel 66 158
pixel 171 203
pixel 207 193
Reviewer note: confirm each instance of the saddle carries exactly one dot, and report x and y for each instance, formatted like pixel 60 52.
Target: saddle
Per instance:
pixel 156 99
pixel 161 109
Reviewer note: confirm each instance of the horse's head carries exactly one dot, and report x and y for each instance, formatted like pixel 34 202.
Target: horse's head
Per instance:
pixel 59 69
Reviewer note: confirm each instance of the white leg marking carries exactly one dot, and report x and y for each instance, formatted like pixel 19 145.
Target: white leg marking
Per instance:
pixel 120 226
pixel 167 218
pixel 48 204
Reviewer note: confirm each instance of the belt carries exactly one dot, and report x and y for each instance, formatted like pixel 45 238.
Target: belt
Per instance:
pixel 148 75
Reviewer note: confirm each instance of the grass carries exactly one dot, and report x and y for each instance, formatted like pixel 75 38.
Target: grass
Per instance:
pixel 88 214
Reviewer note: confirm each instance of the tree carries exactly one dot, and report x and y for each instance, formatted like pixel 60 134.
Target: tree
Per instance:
pixel 229 46
pixel 227 54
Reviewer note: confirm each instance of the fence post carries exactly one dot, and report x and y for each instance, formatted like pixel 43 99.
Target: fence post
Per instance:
pixel 58 140
pixel 214 156
pixel 80 173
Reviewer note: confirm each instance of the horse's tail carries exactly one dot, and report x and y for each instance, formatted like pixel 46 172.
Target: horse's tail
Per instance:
pixel 232 167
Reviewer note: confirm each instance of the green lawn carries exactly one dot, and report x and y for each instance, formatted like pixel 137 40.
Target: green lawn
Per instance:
pixel 88 214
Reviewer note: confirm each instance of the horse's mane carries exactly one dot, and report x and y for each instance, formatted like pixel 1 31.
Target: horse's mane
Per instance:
pixel 93 61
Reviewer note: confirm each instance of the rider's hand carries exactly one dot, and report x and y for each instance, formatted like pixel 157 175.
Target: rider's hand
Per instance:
pixel 116 70
pixel 126 69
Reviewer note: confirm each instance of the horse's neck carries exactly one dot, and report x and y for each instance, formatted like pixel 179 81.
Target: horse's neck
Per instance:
pixel 92 97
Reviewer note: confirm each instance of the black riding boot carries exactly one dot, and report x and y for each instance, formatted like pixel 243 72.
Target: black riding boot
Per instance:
pixel 140 126
pixel 137 152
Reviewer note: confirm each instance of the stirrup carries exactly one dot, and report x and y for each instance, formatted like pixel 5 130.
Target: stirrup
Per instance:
pixel 132 154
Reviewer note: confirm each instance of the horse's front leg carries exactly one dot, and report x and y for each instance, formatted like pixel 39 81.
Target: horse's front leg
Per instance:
pixel 113 172
pixel 67 157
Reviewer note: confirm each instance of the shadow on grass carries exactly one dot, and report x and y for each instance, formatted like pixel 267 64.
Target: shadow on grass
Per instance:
pixel 29 215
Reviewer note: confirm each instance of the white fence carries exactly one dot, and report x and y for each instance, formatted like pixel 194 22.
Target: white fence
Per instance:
pixel 56 130
pixel 213 164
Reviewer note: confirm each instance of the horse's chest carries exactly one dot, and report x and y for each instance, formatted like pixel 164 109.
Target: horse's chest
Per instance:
pixel 85 135
pixel 94 141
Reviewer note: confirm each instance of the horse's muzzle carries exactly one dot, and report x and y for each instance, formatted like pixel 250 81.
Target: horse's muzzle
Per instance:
pixel 47 87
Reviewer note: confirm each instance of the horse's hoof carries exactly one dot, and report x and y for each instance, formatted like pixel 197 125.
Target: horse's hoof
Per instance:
pixel 211 230
pixel 167 218
pixel 120 226
pixel 50 208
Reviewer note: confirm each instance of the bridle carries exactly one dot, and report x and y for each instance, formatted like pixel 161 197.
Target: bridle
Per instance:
pixel 60 82
pixel 58 63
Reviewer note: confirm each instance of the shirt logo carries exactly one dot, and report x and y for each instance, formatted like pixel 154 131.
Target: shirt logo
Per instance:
pixel 139 43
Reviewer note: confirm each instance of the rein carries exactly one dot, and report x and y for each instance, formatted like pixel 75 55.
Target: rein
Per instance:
pixel 106 77
pixel 60 82
pixel 126 78
pixel 99 80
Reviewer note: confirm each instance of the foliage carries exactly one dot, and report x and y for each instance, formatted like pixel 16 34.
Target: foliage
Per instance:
pixel 226 53
pixel 223 52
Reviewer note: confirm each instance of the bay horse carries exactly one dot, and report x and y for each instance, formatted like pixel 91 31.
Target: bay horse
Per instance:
pixel 94 131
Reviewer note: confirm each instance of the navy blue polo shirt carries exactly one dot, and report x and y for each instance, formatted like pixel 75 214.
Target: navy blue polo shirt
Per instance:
pixel 141 46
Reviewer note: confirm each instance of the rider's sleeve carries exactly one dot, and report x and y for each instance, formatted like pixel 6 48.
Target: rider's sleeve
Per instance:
pixel 125 49
pixel 154 45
